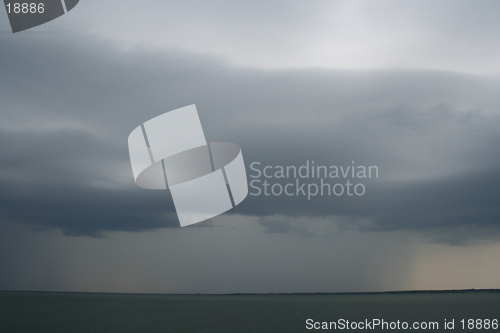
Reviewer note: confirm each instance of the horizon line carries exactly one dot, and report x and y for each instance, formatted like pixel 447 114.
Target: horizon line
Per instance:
pixel 416 291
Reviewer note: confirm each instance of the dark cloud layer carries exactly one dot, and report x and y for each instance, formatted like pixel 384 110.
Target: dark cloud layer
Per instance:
pixel 68 106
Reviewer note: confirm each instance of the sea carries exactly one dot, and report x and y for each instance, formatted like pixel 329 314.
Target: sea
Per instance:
pixel 459 311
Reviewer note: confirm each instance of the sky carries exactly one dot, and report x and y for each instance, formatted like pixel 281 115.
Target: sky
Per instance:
pixel 409 87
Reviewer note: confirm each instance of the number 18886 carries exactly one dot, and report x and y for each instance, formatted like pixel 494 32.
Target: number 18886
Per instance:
pixel 25 8
pixel 479 324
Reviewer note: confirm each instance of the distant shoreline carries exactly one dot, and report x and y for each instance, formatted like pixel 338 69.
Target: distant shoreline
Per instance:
pixel 447 291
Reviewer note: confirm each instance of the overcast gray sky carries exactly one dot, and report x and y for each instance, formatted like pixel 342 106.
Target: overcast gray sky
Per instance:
pixel 411 87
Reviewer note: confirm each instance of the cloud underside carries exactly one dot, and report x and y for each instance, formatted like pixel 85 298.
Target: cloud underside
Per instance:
pixel 66 116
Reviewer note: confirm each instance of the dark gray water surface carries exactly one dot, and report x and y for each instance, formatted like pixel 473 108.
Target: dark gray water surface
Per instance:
pixel 81 312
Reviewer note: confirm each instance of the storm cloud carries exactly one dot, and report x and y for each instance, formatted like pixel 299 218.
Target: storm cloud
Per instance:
pixel 66 117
